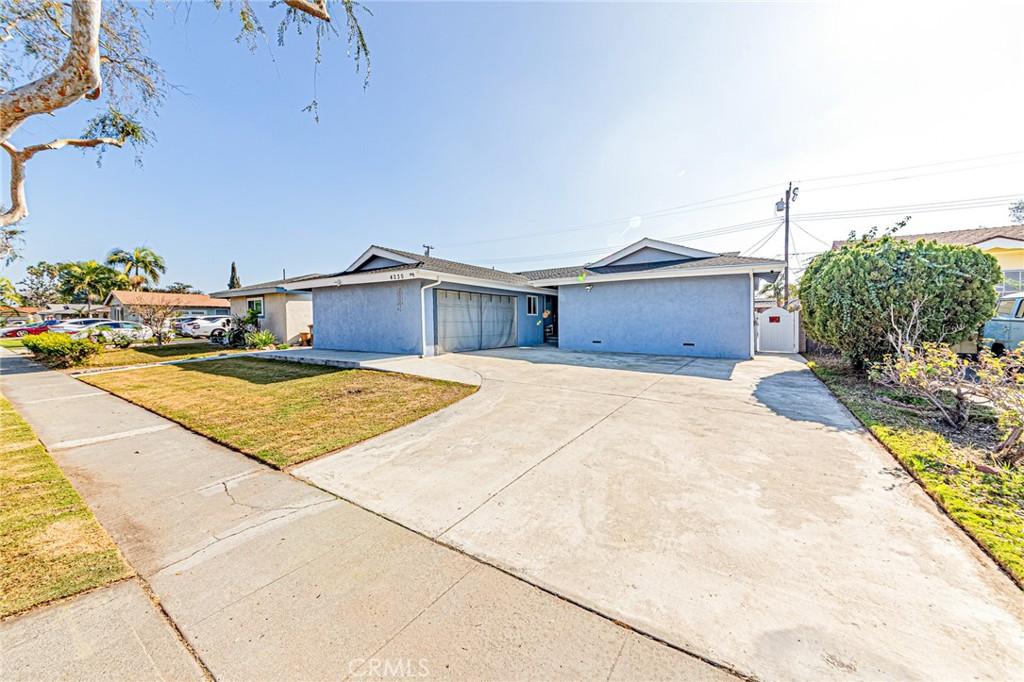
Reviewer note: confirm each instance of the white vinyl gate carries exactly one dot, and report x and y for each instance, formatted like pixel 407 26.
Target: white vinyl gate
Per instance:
pixel 778 331
pixel 470 321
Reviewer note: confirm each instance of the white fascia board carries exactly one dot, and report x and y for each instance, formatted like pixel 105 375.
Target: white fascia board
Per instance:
pixel 1000 243
pixel 373 277
pixel 487 283
pixel 753 268
pixel 383 253
pixel 242 293
pixel 654 244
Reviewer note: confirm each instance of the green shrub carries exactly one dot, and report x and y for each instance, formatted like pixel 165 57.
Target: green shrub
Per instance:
pixel 283 346
pixel 854 297
pixel 60 350
pixel 259 339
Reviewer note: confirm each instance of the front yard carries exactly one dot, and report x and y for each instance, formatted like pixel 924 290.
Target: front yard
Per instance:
pixel 51 546
pixel 282 413
pixel 953 467
pixel 149 353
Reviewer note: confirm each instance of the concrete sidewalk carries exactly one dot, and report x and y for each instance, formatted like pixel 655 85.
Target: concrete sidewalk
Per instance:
pixel 270 578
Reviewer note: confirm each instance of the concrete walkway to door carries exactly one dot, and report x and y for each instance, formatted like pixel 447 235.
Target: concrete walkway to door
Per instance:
pixel 735 509
pixel 269 578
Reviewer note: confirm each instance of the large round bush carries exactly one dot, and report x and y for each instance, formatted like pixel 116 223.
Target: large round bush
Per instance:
pixel 851 296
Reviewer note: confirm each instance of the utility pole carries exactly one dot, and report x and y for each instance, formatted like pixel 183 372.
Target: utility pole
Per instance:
pixel 791 193
pixel 427 249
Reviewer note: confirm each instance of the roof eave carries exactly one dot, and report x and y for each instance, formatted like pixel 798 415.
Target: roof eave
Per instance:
pixel 590 278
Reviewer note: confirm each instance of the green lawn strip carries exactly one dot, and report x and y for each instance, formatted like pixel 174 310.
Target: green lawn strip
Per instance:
pixel 51 546
pixel 989 507
pixel 280 412
pixel 11 343
pixel 147 354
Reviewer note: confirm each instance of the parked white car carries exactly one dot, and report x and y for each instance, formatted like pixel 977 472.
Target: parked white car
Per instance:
pixel 77 325
pixel 212 326
pixel 178 324
pixel 107 330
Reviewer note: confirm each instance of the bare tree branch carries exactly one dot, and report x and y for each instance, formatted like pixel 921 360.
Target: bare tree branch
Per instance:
pixel 19 206
pixel 77 77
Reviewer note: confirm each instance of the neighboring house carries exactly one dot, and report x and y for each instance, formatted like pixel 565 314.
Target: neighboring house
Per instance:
pixel 18 314
pixel 69 311
pixel 121 302
pixel 1005 243
pixel 650 297
pixel 283 311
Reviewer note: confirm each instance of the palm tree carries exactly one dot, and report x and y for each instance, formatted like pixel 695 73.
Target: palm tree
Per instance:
pixel 141 264
pixel 89 280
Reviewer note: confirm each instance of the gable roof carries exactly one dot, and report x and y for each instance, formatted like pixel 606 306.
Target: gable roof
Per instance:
pixel 971 236
pixel 417 260
pixel 165 298
pixel 676 251
pixel 273 286
pixel 668 267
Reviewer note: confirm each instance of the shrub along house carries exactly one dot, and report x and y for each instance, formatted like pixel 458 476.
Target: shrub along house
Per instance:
pixel 650 297
pixel 1006 244
pixel 282 310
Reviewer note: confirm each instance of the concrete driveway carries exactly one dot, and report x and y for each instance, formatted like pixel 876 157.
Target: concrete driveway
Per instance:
pixel 735 510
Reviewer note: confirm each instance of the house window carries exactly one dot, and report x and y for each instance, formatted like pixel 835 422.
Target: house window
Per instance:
pixel 1013 282
pixel 531 305
pixel 255 304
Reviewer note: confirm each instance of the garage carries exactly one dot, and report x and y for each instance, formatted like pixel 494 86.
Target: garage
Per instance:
pixel 473 321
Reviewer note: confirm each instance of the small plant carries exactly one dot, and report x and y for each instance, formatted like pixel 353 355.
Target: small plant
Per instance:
pixel 121 340
pixel 60 350
pixel 259 339
pixel 283 346
pixel 935 373
pixel 1001 380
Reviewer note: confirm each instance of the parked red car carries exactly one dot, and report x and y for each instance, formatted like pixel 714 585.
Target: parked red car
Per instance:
pixel 30 329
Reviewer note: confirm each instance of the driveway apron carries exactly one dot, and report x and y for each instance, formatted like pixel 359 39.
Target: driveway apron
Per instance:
pixel 269 578
pixel 734 509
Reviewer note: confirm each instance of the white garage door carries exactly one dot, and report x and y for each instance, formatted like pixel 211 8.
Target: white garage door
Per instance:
pixel 467 321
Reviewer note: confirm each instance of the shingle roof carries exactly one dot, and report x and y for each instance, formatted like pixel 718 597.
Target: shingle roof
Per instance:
pixel 687 264
pixel 452 267
pixel 272 284
pixel 969 236
pixel 164 298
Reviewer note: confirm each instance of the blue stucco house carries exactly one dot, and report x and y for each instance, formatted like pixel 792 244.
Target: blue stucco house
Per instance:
pixel 650 297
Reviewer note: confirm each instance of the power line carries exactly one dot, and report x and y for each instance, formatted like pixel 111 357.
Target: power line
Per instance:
pixel 710 203
pixel 844 214
pixel 915 167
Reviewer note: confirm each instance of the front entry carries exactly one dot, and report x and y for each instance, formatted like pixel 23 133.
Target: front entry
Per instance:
pixel 471 321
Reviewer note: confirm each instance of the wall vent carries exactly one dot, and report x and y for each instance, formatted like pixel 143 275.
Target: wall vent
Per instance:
pixel 596 341
pixel 688 343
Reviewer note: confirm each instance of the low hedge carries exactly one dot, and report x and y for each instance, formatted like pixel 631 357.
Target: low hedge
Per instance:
pixel 60 350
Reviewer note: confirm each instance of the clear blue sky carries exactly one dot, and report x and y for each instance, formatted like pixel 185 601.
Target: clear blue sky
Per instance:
pixel 488 121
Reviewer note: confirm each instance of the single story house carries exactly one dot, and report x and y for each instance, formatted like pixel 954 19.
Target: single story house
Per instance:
pixel 121 303
pixel 70 311
pixel 284 311
pixel 1005 243
pixel 18 314
pixel 650 297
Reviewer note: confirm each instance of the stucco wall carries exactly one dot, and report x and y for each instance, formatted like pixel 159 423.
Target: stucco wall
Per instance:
pixel 380 318
pixel 284 315
pixel 1009 259
pixel 659 316
pixel 528 332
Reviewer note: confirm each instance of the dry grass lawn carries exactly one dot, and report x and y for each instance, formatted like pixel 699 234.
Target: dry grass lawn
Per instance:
pixel 281 412
pixel 147 354
pixel 51 546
